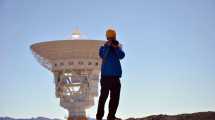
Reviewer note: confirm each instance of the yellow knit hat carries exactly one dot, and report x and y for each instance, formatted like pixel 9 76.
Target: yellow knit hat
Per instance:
pixel 111 33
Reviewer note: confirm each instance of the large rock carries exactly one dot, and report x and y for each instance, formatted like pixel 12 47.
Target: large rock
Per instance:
pixel 193 116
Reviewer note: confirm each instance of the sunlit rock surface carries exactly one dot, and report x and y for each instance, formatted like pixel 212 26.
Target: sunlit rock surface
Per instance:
pixel 193 116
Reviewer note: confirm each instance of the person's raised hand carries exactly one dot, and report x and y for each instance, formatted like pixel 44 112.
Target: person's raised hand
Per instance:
pixel 108 43
pixel 115 46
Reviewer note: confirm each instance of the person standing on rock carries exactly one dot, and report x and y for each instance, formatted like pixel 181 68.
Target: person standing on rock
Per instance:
pixel 111 53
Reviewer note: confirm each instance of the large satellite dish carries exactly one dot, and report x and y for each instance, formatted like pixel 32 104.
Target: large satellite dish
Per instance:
pixel 76 68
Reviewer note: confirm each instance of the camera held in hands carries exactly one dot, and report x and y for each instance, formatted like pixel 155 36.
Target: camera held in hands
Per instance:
pixel 114 42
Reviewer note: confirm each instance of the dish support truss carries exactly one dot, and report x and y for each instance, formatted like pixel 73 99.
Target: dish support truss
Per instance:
pixel 76 90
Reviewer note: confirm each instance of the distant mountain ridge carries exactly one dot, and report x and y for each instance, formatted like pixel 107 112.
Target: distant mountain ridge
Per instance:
pixel 33 118
pixel 37 118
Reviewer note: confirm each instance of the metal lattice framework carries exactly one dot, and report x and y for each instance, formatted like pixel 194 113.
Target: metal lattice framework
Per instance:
pixel 76 67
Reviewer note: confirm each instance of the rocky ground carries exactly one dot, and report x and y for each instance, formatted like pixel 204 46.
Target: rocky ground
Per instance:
pixel 193 116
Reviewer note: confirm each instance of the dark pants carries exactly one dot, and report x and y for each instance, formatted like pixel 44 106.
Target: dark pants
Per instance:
pixel 113 85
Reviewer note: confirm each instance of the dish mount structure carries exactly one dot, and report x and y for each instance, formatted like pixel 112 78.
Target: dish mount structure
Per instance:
pixel 75 64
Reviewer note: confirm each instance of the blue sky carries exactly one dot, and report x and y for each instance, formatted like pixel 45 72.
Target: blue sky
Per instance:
pixel 169 66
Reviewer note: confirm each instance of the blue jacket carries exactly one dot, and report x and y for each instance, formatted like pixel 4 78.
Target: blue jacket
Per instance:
pixel 111 60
